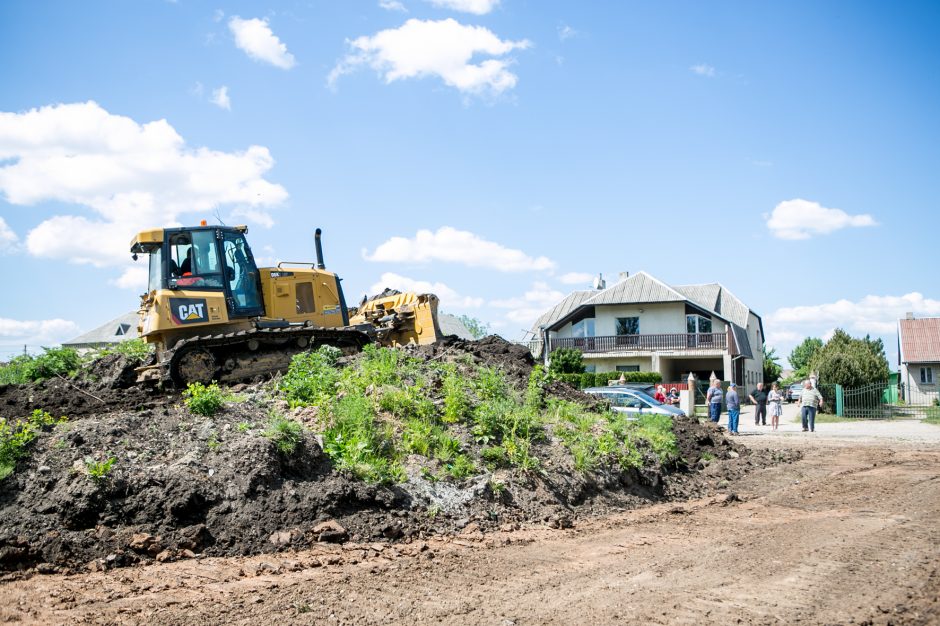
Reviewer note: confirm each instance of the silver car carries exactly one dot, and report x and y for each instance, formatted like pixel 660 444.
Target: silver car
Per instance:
pixel 633 402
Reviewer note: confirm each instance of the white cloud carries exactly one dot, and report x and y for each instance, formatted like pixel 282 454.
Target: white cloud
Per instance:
pixel 445 49
pixel 449 298
pixel 134 277
pixel 218 15
pixel 703 69
pixel 525 309
pixel 9 242
pixel 127 177
pixel 34 333
pixel 456 246
pixel 254 36
pixel 393 5
pixel 577 278
pixel 872 315
pixel 477 7
pixel 565 32
pixel 220 98
pixel 802 219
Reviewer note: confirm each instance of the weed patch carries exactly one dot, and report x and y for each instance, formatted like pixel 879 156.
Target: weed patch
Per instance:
pixel 285 433
pixel 203 400
pixel 16 437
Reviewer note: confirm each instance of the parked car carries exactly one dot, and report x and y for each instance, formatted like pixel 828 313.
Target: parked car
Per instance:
pixel 794 391
pixel 625 399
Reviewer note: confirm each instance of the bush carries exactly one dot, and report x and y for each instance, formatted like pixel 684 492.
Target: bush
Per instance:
pixel 456 400
pixel 203 400
pixel 15 438
pixel 135 350
pixel 566 361
pixel 285 433
pixel 51 363
pixel 572 379
pixel 14 372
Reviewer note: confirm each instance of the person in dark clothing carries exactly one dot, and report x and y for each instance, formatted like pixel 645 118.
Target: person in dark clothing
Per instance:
pixel 759 398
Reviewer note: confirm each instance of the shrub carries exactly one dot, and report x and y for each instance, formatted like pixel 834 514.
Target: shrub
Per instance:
pixel 587 380
pixel 52 362
pixel 566 361
pixel 572 379
pixel 15 438
pixel 135 350
pixel 284 432
pixel 14 372
pixel 534 394
pixel 203 400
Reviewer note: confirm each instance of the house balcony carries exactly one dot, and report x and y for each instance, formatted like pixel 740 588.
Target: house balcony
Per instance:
pixel 626 344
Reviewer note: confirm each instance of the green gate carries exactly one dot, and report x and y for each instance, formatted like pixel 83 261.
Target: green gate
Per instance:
pixel 880 401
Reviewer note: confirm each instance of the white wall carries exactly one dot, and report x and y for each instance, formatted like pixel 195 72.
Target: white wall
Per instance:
pixel 916 391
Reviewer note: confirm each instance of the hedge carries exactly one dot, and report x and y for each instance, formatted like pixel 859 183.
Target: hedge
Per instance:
pixel 600 379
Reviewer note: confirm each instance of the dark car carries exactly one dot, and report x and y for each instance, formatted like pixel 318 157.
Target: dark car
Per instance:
pixel 794 391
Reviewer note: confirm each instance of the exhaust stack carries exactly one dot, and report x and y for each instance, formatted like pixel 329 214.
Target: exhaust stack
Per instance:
pixel 320 265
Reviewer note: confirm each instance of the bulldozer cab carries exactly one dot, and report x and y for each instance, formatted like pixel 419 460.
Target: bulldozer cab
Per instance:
pixel 205 258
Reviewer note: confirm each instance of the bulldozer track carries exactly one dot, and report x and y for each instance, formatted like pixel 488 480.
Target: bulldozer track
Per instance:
pixel 251 345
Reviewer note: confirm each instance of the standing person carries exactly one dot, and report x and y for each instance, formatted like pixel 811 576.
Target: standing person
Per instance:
pixel 759 397
pixel 775 398
pixel 734 408
pixel 810 400
pixel 713 400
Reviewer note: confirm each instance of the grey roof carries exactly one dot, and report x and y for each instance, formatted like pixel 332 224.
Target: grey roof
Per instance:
pixel 743 343
pixel 451 325
pixel 570 302
pixel 117 330
pixel 641 287
pixel 716 297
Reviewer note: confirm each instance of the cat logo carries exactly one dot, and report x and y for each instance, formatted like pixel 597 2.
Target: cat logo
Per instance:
pixel 188 310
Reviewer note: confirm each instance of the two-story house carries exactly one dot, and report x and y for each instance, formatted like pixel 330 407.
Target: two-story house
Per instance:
pixel 642 324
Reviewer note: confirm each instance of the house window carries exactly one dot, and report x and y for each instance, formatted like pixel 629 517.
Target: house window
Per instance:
pixel 628 368
pixel 698 324
pixel 628 326
pixel 590 369
pixel 584 328
pixel 926 375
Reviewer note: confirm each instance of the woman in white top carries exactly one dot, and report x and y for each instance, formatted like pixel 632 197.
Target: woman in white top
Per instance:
pixel 775 399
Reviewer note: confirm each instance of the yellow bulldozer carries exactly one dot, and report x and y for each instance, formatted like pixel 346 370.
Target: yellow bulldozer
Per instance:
pixel 212 314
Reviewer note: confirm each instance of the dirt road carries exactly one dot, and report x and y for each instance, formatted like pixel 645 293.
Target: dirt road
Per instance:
pixel 849 534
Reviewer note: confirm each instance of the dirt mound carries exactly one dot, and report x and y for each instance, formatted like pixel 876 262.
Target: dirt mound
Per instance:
pixel 107 384
pixel 180 484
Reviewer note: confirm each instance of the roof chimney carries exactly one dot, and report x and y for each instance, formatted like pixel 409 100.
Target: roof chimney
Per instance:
pixel 909 315
pixel 600 283
pixel 624 275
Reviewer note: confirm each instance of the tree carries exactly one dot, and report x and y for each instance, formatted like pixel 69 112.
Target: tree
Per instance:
pixel 801 355
pixel 772 368
pixel 851 362
pixel 478 328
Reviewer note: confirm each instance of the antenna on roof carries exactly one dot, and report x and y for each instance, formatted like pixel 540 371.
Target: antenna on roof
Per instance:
pixel 599 282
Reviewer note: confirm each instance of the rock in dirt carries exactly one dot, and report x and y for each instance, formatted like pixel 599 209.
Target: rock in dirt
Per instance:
pixel 330 531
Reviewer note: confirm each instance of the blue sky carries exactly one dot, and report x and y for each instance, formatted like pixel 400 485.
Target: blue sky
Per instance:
pixel 497 153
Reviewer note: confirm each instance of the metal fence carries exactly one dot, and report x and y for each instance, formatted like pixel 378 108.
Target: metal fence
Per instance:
pixel 879 401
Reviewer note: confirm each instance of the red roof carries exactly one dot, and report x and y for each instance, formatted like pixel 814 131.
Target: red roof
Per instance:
pixel 920 340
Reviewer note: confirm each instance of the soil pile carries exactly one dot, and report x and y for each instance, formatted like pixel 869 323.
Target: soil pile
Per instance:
pixel 181 484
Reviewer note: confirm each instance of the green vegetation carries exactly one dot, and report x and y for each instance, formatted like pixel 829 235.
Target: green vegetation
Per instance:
pixel 203 400
pixel 477 328
pixel 386 406
pixel 15 438
pixel 802 355
pixel 311 378
pixel 772 367
pixel 135 350
pixel 98 471
pixel 285 433
pixel 565 361
pixel 851 362
pixel 933 415
pixel 51 363
pixel 611 439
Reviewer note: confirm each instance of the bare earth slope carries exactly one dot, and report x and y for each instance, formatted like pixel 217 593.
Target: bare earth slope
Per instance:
pixel 847 534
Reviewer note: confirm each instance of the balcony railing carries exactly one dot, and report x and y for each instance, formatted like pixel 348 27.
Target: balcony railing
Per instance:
pixel 644 343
